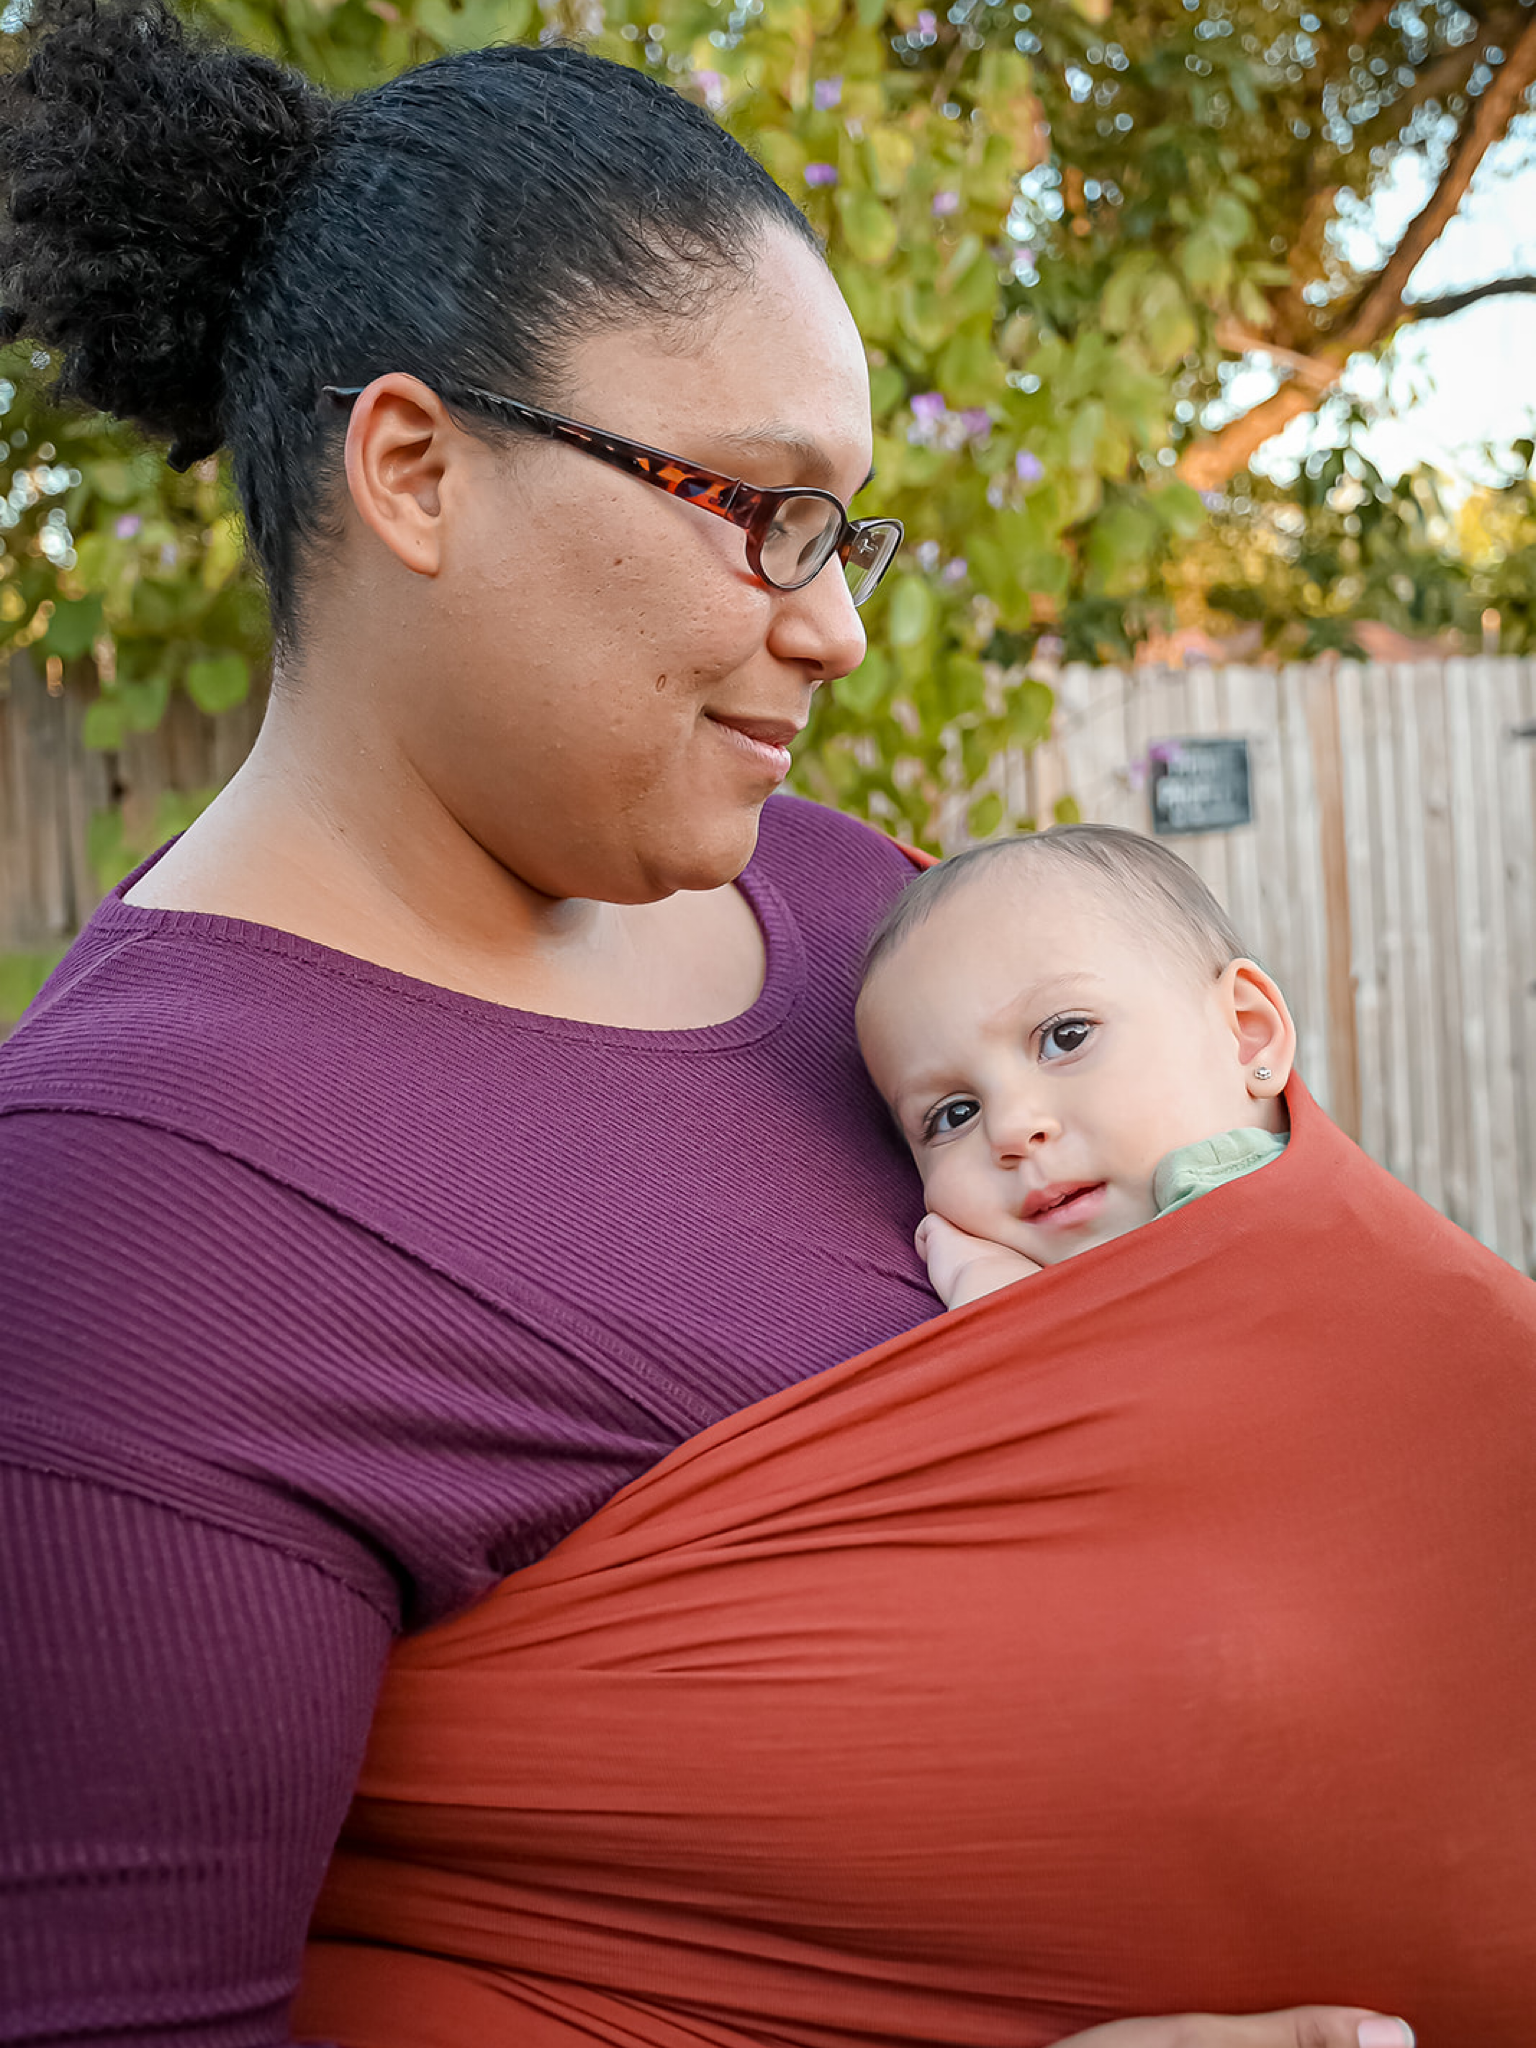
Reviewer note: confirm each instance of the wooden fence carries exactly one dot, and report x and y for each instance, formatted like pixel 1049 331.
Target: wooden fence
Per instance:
pixel 1388 881
pixel 69 817
pixel 1388 878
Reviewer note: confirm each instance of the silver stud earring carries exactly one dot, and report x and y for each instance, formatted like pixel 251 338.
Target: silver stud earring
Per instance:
pixel 1262 1074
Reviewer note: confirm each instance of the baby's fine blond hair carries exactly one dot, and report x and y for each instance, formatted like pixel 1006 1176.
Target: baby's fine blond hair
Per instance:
pixel 1141 872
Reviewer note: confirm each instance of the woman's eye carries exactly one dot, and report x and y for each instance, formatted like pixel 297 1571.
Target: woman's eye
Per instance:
pixel 951 1116
pixel 1069 1036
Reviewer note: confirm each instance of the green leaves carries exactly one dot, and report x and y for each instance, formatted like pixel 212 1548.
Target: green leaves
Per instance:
pixel 218 682
pixel 73 627
pixel 471 24
pixel 869 227
pixel 984 816
pixel 911 612
pixel 867 686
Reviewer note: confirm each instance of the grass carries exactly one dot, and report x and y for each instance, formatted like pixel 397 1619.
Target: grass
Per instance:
pixel 21 976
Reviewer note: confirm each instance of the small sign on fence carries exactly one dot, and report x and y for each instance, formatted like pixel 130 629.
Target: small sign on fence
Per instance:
pixel 1199 785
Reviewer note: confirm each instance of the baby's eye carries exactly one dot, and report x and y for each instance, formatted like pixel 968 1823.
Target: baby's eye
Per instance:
pixel 951 1116
pixel 1067 1035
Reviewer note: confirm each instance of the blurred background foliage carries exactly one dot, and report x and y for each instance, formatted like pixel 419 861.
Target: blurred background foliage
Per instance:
pixel 1058 224
pixel 1306 565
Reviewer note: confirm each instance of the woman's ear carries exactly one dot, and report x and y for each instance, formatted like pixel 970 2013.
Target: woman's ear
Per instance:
pixel 1262 1026
pixel 401 445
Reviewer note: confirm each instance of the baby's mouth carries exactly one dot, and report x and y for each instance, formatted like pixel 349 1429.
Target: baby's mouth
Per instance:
pixel 1063 1203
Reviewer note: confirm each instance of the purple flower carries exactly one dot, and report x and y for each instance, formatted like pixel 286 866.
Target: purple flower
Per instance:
pixel 1028 467
pixel 826 93
pixel 946 202
pixel 976 421
pixel 927 24
pixel 821 174
pixel 956 571
pixel 128 526
pixel 1212 500
pixel 929 407
pixel 712 85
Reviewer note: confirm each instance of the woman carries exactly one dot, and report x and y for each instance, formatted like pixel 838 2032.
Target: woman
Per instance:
pixel 465 1112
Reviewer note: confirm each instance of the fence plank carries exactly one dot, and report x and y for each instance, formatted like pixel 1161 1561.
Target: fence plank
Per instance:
pixel 1488 723
pixel 1361 968
pixel 1391 1081
pixel 1241 711
pixel 1309 956
pixel 1450 976
pixel 52 787
pixel 1470 827
pixel 1420 949
pixel 1517 762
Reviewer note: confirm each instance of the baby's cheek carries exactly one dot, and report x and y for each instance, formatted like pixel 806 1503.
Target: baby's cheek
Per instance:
pixel 965 1190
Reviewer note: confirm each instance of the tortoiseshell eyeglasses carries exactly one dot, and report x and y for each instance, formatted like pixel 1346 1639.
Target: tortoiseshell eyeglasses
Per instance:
pixel 791 534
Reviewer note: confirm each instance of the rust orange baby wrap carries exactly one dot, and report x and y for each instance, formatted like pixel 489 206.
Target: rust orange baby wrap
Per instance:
pixel 1157 1635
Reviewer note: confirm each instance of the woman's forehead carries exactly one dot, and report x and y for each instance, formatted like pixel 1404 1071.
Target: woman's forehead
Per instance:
pixel 773 368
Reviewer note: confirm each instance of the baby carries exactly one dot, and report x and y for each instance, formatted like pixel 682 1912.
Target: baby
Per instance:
pixel 1073 1041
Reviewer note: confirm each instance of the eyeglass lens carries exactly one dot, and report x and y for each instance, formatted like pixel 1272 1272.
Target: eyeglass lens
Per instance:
pixel 804 533
pixel 869 557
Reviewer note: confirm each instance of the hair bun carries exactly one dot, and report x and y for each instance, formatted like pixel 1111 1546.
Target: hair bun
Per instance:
pixel 141 173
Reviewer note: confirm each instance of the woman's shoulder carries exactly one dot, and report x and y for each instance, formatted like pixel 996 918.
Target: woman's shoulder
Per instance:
pixel 830 867
pixel 795 825
pixel 208 1026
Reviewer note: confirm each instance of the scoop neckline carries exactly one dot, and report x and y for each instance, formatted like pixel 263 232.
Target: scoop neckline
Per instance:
pixel 784 969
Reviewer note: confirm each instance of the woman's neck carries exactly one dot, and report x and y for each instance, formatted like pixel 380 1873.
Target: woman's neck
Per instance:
pixel 336 839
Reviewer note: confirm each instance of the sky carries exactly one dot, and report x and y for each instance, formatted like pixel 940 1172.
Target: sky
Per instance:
pixel 1448 388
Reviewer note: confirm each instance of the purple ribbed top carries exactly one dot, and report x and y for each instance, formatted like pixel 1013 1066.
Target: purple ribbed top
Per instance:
pixel 330 1297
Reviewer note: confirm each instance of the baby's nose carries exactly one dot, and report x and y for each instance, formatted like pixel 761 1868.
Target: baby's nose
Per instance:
pixel 1022 1130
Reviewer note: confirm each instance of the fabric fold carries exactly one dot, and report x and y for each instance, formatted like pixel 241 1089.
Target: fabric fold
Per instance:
pixel 1158 1635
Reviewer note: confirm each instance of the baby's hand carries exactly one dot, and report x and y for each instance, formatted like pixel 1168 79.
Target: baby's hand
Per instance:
pixel 963 1268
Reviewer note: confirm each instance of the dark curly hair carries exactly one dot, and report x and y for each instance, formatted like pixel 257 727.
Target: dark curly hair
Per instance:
pixel 208 240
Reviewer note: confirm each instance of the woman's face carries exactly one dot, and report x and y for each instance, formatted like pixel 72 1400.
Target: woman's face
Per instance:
pixel 594 645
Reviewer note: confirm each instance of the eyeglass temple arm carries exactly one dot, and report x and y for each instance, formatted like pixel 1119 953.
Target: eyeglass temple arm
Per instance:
pixel 632 456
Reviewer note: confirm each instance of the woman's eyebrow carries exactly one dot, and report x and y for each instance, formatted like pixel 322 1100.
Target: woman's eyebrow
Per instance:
pixel 811 459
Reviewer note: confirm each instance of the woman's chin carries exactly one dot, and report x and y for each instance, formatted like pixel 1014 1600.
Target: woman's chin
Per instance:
pixel 710 858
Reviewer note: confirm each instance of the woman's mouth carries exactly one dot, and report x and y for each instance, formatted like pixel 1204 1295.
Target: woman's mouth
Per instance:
pixel 1064 1204
pixel 763 741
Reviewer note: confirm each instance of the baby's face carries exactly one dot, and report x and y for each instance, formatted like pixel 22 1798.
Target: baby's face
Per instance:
pixel 1042 1052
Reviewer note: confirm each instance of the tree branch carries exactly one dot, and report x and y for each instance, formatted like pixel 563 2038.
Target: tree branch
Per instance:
pixel 1315 371
pixel 1295 321
pixel 1448 73
pixel 1211 462
pixel 1368 18
pixel 1291 317
pixel 1453 302
pixel 1495 110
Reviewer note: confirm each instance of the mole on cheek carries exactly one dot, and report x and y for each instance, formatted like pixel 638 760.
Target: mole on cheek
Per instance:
pixel 661 683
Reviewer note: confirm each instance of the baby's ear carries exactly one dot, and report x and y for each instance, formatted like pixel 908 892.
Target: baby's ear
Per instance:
pixel 1262 1027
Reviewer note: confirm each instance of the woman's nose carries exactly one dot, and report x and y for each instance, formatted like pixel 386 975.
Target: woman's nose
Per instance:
pixel 819 625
